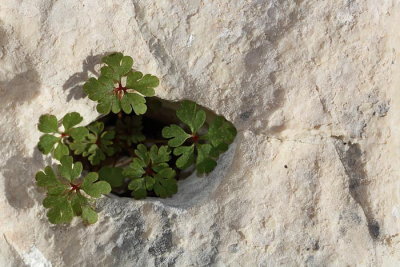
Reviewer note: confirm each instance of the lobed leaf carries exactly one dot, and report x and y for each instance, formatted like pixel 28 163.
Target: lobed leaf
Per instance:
pixel 68 169
pixel 112 175
pixel 177 134
pixel 48 124
pixel 70 120
pixel 60 150
pixel 89 215
pixel 93 188
pixel 142 84
pixel 47 142
pixel 47 178
pixel 60 209
pixel 189 114
pixel 220 132
pixel 204 163
pixel 186 158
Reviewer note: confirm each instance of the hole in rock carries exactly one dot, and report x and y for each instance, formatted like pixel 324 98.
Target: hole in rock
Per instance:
pixel 132 130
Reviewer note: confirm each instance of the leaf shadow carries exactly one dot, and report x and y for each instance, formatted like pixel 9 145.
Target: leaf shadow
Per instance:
pixel 20 189
pixel 74 83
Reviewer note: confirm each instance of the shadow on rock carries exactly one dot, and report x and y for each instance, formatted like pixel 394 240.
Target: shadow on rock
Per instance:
pixel 19 180
pixel 75 82
pixel 23 87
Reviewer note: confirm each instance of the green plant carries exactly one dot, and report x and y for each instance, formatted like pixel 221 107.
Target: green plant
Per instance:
pixel 125 152
pixel 150 171
pixel 128 96
pixel 95 144
pixel 54 139
pixel 69 194
pixel 202 149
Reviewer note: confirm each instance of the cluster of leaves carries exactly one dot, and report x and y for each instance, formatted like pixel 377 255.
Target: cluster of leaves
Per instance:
pixel 118 156
pixel 68 193
pixel 111 92
pixel 193 147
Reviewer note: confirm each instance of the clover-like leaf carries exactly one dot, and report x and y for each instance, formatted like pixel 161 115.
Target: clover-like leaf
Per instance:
pixel 142 84
pixel 71 119
pixel 48 179
pixel 93 188
pixel 60 209
pixel 204 162
pixel 189 114
pixel 47 142
pixel 48 124
pixel 68 169
pixel 110 92
pixel 186 158
pixel 177 134
pixel 118 66
pixel 151 172
pixel 221 134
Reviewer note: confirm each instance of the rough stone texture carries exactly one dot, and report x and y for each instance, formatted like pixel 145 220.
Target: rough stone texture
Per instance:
pixel 312 86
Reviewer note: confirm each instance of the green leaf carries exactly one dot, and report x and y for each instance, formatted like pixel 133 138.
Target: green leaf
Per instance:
pixel 142 84
pixel 189 114
pixel 138 188
pixel 104 106
pixel 47 142
pixel 142 153
pixel 165 173
pixel 89 215
pixel 60 151
pixel 204 163
pixel 47 178
pixel 165 187
pixel 112 175
pixel 98 89
pixel 186 158
pixel 48 124
pixel 135 169
pixel 113 59
pixel 60 209
pixel 77 202
pixel 112 97
pixel 68 169
pixel 158 155
pixel 220 132
pixel 140 193
pixel 96 128
pixel 64 199
pixel 149 181
pixel 178 135
pixel 119 64
pixel 78 133
pixel 137 102
pixel 126 65
pixel 150 170
pixel 96 144
pixel 93 188
pixel 71 119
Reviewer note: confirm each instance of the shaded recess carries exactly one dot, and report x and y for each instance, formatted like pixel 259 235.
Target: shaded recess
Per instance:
pixel 160 113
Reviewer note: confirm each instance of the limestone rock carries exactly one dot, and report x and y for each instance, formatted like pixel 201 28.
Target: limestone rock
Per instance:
pixel 312 86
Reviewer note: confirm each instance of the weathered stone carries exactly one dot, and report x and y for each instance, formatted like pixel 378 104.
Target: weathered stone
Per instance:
pixel 312 86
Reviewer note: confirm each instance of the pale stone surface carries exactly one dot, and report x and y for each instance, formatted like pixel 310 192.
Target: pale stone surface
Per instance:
pixel 312 85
